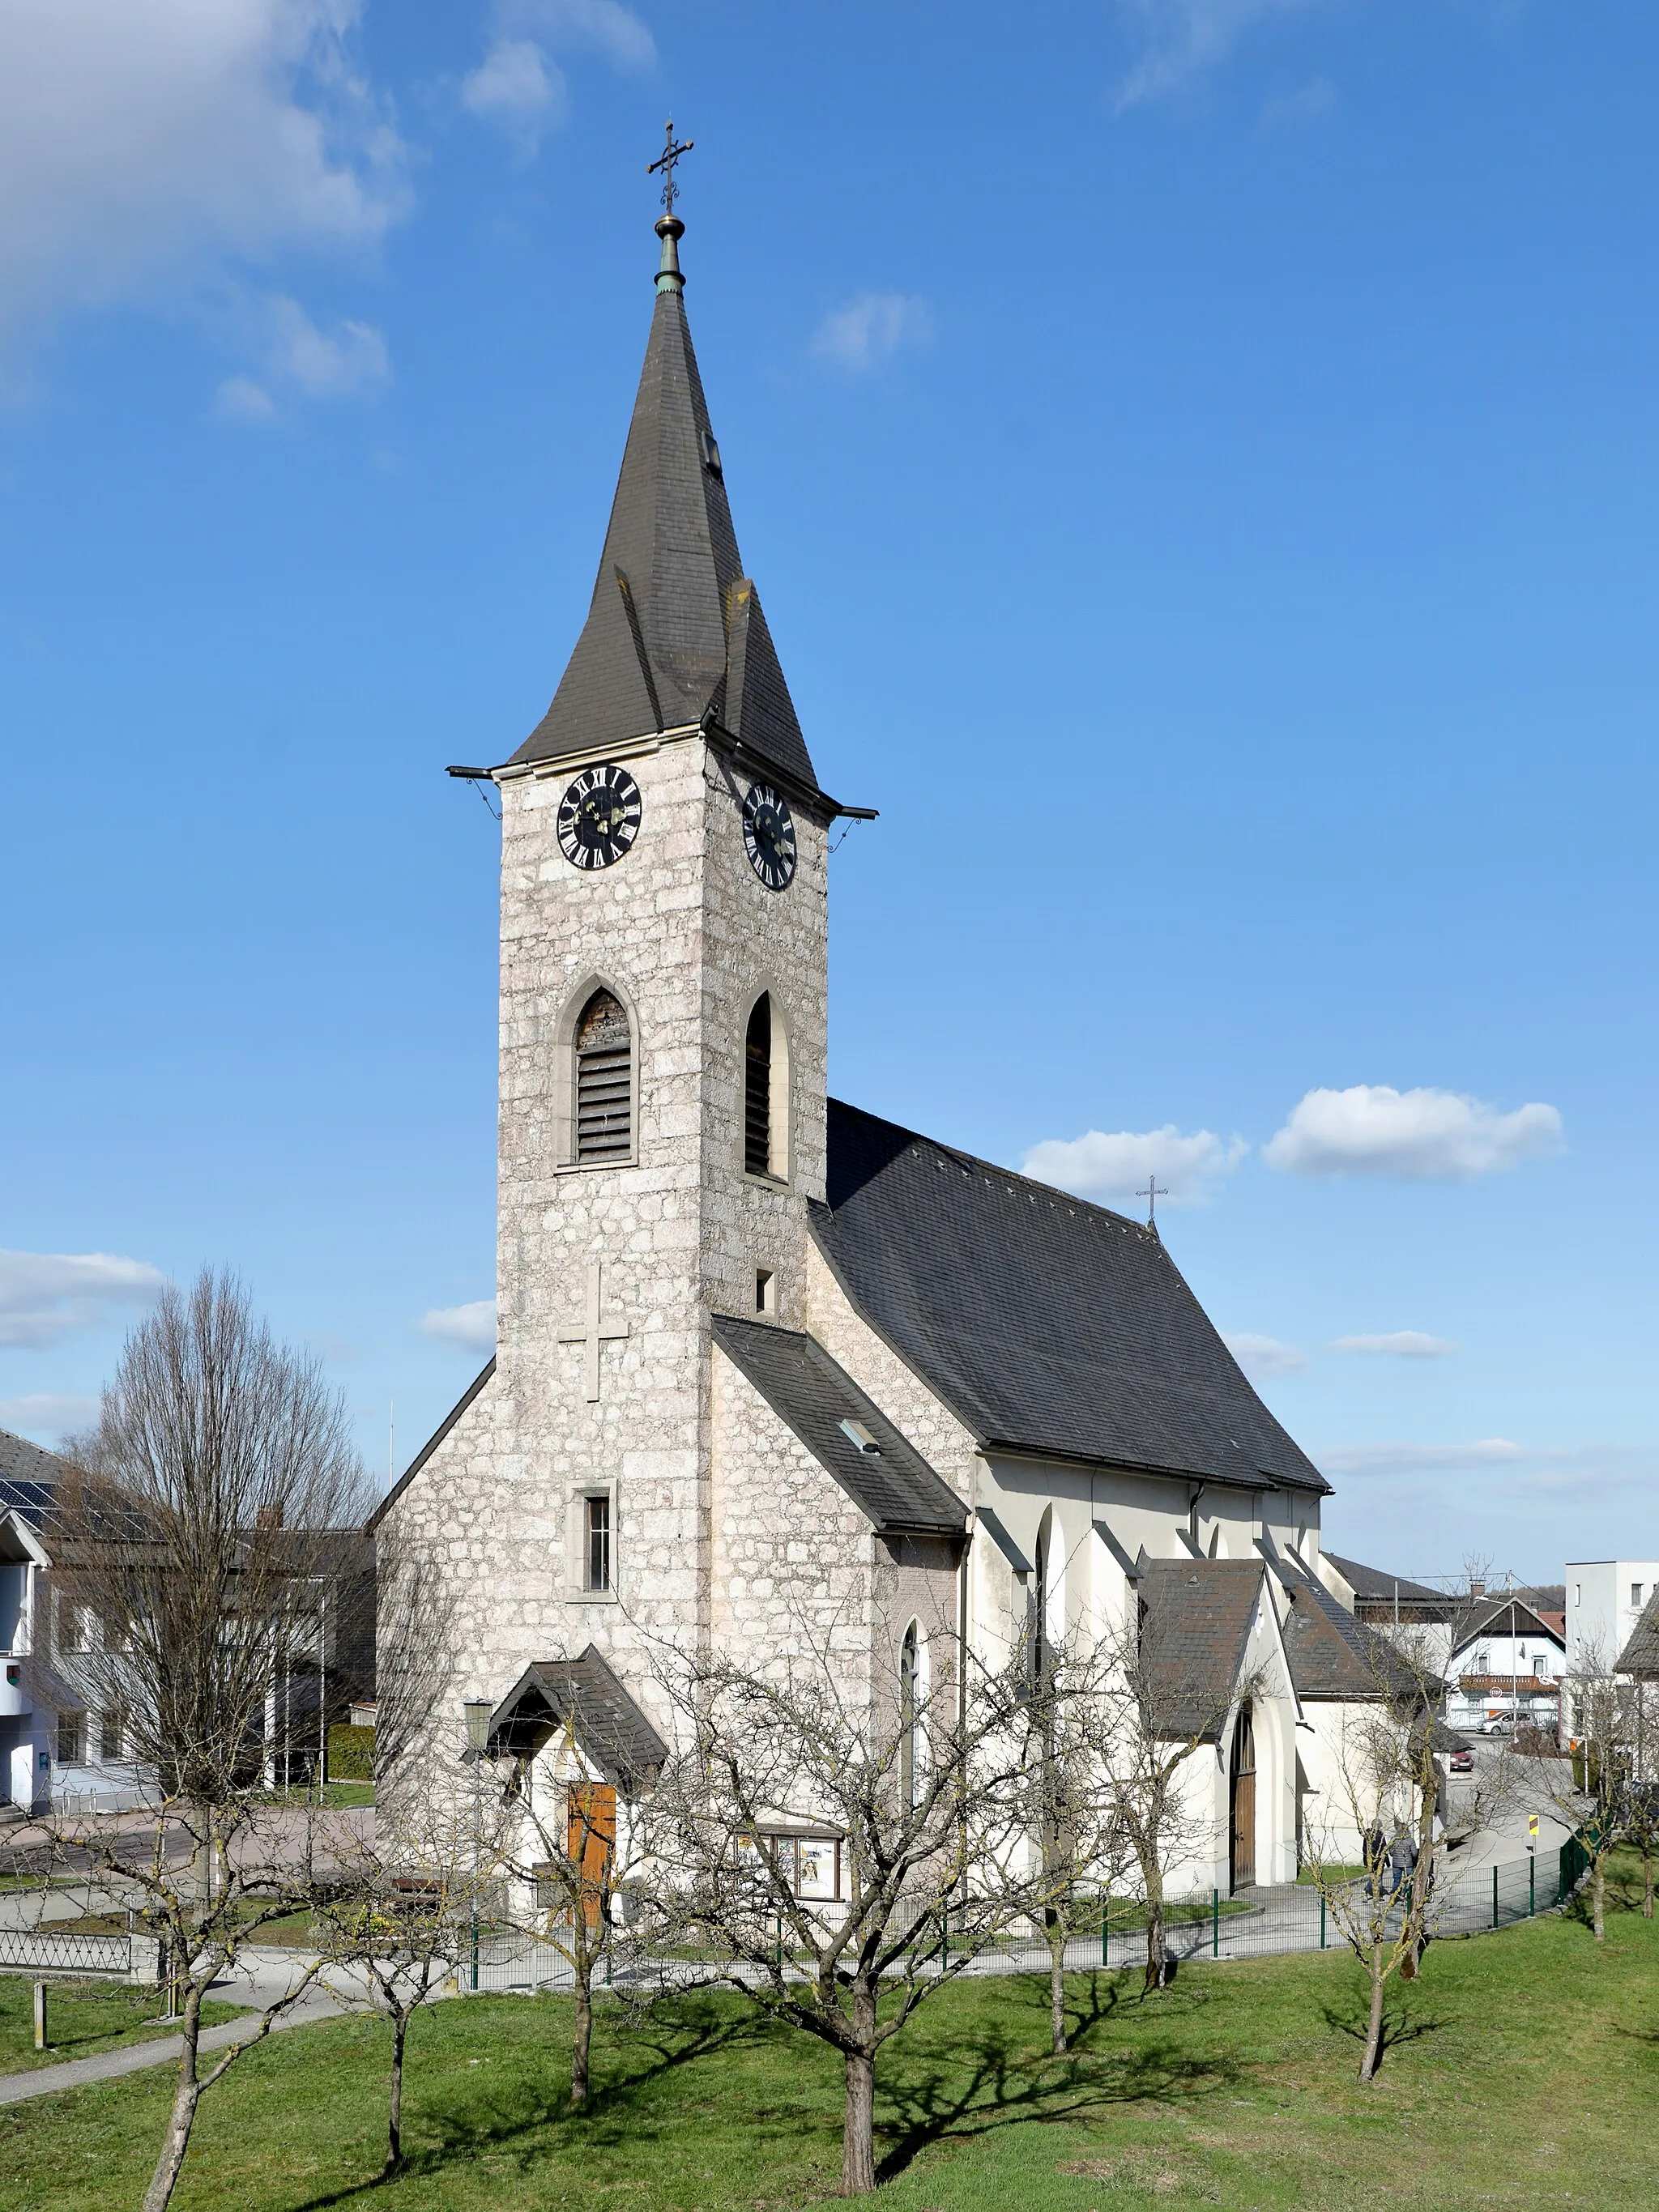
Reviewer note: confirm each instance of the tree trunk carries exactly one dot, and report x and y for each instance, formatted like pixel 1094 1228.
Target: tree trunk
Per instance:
pixel 182 2119
pixel 394 2124
pixel 1598 1897
pixel 1056 1932
pixel 1154 1878
pixel 581 2039
pixel 1373 2058
pixel 858 2133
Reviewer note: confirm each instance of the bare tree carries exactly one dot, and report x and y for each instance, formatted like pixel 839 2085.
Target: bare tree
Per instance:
pixel 196 1547
pixel 1390 1784
pixel 575 1852
pixel 847 1844
pixel 1155 1707
pixel 1072 1807
pixel 404 1906
pixel 1590 1790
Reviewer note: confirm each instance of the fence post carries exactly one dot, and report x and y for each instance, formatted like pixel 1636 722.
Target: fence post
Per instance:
pixel 1532 1886
pixel 945 1942
pixel 1494 1895
pixel 40 2016
pixel 475 1950
pixel 1322 1920
pixel 1215 1924
pixel 1106 1929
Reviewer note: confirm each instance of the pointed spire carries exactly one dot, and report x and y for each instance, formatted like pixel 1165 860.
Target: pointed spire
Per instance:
pixel 674 633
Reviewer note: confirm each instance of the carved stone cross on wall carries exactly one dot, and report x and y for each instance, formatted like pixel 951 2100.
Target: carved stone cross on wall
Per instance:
pixel 591 1333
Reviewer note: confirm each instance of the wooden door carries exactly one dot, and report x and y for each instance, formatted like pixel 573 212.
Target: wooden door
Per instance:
pixel 1242 1794
pixel 591 1838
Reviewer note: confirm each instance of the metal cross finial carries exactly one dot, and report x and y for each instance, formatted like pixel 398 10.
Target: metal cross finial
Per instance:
pixel 1153 1193
pixel 665 161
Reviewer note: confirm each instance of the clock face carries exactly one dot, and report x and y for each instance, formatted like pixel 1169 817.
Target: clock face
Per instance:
pixel 599 817
pixel 769 836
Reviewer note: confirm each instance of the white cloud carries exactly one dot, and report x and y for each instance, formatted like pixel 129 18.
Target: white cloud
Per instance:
pixel 1407 1343
pixel 1373 1129
pixel 1180 39
pixel 519 86
pixel 45 1417
pixel 1263 1355
pixel 143 146
pixel 44 1295
pixel 472 1327
pixel 299 359
pixel 871 328
pixel 1099 1165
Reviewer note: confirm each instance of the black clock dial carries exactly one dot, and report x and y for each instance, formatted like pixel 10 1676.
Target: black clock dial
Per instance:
pixel 599 817
pixel 769 836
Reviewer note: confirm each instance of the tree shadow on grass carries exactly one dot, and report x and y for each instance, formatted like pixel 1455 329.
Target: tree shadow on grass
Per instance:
pixel 1398 2025
pixel 502 2120
pixel 987 2080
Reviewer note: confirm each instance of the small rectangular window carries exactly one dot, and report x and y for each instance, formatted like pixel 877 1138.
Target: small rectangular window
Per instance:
pixel 110 1736
pixel 598 1562
pixel 1636 1592
pixel 71 1739
pixel 766 1298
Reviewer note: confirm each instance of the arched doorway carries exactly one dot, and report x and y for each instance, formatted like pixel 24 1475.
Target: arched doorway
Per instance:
pixel 1241 1797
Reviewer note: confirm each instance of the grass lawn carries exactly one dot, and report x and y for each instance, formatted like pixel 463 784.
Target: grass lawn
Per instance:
pixel 81 2018
pixel 1524 2073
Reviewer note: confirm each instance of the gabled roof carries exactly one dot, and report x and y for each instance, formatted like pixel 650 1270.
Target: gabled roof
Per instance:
pixel 813 1395
pixel 674 633
pixel 1334 1657
pixel 27 1469
pixel 1195 1619
pixel 1640 1656
pixel 585 1696
pixel 1046 1324
pixel 1374 1585
pixel 1505 1616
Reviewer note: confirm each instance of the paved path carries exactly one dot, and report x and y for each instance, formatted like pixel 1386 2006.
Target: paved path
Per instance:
pixel 261 1977
pixel 136 2058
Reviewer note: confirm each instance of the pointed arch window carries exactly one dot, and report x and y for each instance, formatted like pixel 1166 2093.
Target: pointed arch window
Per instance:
pixel 764 1138
pixel 604 1080
pixel 909 1715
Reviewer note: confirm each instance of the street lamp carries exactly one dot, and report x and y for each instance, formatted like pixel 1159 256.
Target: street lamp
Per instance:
pixel 478 1711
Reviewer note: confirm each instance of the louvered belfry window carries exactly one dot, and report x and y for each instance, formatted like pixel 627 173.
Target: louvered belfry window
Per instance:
pixel 758 1090
pixel 604 1081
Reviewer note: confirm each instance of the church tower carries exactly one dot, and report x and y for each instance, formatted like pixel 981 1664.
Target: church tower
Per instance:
pixel 663 986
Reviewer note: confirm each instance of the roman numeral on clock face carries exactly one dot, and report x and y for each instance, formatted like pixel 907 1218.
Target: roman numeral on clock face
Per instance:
pixel 599 817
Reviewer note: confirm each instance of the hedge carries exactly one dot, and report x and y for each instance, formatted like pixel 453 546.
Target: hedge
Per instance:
pixel 350 1754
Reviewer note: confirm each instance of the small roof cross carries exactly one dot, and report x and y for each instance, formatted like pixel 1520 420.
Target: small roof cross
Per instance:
pixel 665 161
pixel 1153 1193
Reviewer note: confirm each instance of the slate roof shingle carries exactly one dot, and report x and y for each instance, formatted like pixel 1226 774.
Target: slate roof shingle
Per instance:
pixel 812 1393
pixel 1046 1324
pixel 674 631
pixel 585 1695
pixel 1372 1585
pixel 1640 1656
pixel 1195 1630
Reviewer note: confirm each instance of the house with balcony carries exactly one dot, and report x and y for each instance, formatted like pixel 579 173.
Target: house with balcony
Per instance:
pixel 1507 1663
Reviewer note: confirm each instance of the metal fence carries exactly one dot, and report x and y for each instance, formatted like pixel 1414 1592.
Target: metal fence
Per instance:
pixel 1111 1932
pixel 39 1951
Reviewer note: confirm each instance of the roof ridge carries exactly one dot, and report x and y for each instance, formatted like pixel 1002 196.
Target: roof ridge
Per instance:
pixel 1052 1191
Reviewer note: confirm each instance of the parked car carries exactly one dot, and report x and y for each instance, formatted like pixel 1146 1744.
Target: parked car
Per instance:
pixel 1463 1762
pixel 1497 1724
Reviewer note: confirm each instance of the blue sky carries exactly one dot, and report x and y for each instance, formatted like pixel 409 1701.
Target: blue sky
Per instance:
pixel 1199 459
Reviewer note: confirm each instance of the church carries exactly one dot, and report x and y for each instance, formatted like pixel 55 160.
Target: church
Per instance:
pixel 763 1357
